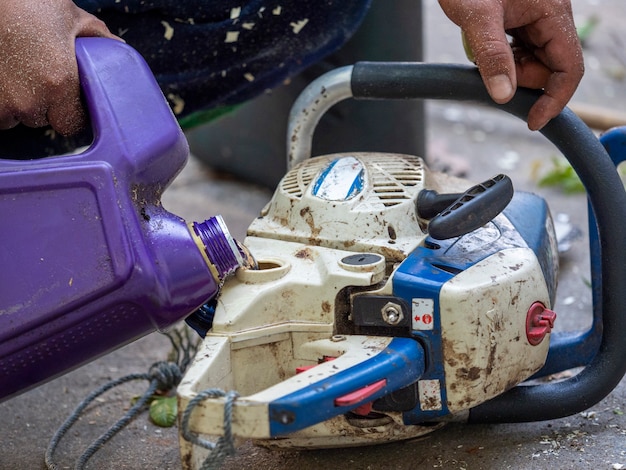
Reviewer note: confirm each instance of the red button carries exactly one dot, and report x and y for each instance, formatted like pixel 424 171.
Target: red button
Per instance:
pixel 539 322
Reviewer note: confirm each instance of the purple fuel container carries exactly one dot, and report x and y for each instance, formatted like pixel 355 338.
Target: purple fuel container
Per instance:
pixel 89 259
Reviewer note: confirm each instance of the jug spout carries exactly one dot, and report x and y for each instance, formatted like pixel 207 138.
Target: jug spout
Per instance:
pixel 222 253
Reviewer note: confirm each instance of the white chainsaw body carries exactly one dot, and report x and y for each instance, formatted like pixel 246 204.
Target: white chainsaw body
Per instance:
pixel 342 275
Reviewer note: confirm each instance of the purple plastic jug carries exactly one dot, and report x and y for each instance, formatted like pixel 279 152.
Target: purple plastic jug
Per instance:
pixel 89 259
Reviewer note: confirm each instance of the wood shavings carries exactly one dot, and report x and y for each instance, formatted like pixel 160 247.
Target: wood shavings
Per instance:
pixel 248 76
pixel 298 25
pixel 553 443
pixel 235 12
pixel 589 414
pixel 232 36
pixel 178 104
pixel 248 25
pixel 277 11
pixel 169 31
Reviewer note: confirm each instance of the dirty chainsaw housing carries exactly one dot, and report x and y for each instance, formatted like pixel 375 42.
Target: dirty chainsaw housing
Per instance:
pixel 359 327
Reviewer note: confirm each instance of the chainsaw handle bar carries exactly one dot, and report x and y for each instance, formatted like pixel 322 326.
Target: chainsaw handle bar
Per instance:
pixel 389 80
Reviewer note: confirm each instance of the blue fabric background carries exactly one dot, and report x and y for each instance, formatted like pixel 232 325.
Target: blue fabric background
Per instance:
pixel 196 63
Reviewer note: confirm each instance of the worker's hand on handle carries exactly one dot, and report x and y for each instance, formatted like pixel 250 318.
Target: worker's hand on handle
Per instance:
pixel 545 52
pixel 39 82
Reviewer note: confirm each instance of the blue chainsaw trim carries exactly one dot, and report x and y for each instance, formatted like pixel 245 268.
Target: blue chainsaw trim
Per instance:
pixel 401 363
pixel 419 277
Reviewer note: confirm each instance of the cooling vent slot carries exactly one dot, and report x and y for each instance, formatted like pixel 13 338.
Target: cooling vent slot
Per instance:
pixel 297 180
pixel 389 177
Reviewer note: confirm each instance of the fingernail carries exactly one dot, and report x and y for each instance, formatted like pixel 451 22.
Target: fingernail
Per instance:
pixel 500 88
pixel 538 125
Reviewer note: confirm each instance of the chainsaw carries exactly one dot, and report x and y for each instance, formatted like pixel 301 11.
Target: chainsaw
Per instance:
pixel 390 299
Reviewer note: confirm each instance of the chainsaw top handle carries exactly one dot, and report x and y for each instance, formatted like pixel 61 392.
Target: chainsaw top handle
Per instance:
pixel 607 199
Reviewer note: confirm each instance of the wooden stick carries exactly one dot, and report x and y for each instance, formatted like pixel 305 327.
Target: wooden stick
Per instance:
pixel 597 117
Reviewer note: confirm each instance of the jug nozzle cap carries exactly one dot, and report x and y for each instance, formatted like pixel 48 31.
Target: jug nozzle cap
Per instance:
pixel 221 252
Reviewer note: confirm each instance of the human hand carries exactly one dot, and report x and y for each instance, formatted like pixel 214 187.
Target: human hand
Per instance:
pixel 39 82
pixel 545 52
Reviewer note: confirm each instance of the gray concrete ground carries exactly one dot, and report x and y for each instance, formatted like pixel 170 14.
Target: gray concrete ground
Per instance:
pixel 487 142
